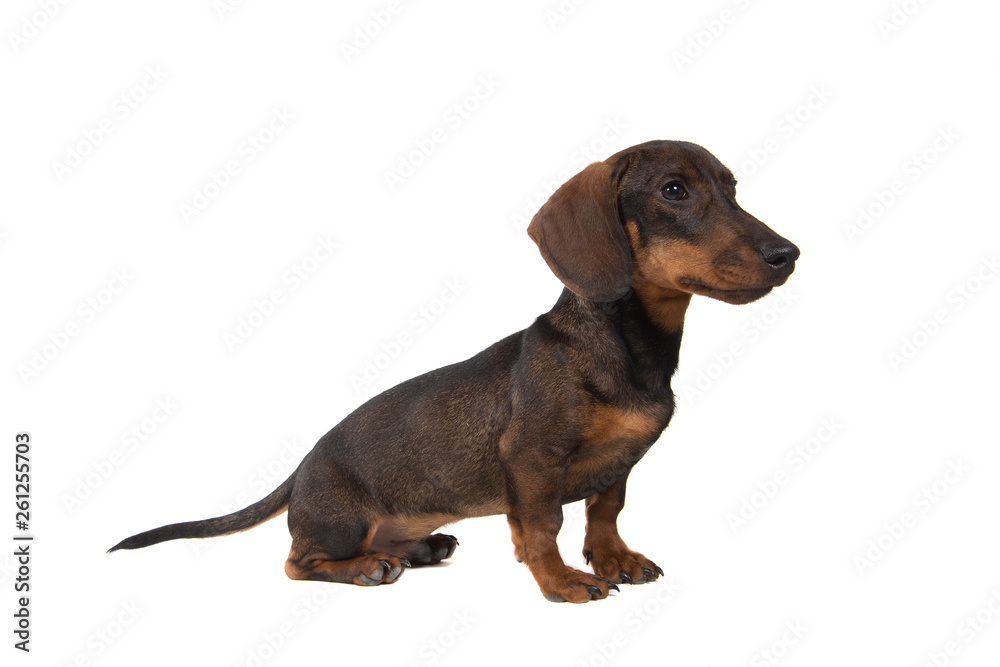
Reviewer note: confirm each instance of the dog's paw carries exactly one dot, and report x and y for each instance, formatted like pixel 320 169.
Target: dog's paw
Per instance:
pixel 572 585
pixel 622 565
pixel 432 549
pixel 380 568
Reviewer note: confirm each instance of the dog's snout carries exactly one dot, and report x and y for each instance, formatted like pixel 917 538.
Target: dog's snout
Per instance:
pixel 780 256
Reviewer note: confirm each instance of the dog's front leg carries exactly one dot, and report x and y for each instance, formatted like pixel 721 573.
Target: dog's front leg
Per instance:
pixel 534 478
pixel 604 548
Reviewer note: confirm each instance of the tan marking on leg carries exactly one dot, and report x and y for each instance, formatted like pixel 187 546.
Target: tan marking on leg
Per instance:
pixel 397 530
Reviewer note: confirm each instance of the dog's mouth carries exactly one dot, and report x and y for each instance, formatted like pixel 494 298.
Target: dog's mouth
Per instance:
pixel 734 296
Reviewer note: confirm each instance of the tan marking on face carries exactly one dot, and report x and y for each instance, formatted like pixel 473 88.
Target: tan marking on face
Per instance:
pixel 663 272
pixel 653 280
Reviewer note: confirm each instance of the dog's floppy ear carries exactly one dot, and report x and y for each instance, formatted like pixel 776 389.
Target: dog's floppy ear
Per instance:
pixel 581 238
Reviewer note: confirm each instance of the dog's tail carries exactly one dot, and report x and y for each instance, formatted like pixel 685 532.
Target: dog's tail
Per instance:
pixel 262 510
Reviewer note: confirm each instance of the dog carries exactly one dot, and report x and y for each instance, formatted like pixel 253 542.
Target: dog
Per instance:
pixel 553 414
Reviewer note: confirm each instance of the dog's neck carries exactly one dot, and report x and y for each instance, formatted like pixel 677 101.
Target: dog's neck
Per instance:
pixel 649 336
pixel 663 306
pixel 652 332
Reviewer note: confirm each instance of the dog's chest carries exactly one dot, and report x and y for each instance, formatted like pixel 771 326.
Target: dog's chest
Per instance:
pixel 614 439
pixel 605 425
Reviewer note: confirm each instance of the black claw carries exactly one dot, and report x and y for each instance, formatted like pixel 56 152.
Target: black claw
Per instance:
pixel 587 556
pixel 611 584
pixel 613 587
pixel 658 570
pixel 647 573
pixel 623 575
pixel 404 562
pixel 594 590
pixel 386 564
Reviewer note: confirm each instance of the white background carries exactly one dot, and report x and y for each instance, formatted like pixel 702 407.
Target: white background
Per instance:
pixel 864 100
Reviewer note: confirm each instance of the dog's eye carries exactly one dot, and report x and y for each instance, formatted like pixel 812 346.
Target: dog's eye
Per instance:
pixel 674 190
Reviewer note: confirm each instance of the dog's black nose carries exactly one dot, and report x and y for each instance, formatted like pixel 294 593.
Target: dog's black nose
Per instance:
pixel 780 255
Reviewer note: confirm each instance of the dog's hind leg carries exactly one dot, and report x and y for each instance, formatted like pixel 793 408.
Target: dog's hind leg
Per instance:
pixel 337 547
pixel 368 570
pixel 333 521
pixel 411 537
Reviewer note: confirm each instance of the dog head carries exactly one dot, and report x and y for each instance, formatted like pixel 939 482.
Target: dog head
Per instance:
pixel 662 218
